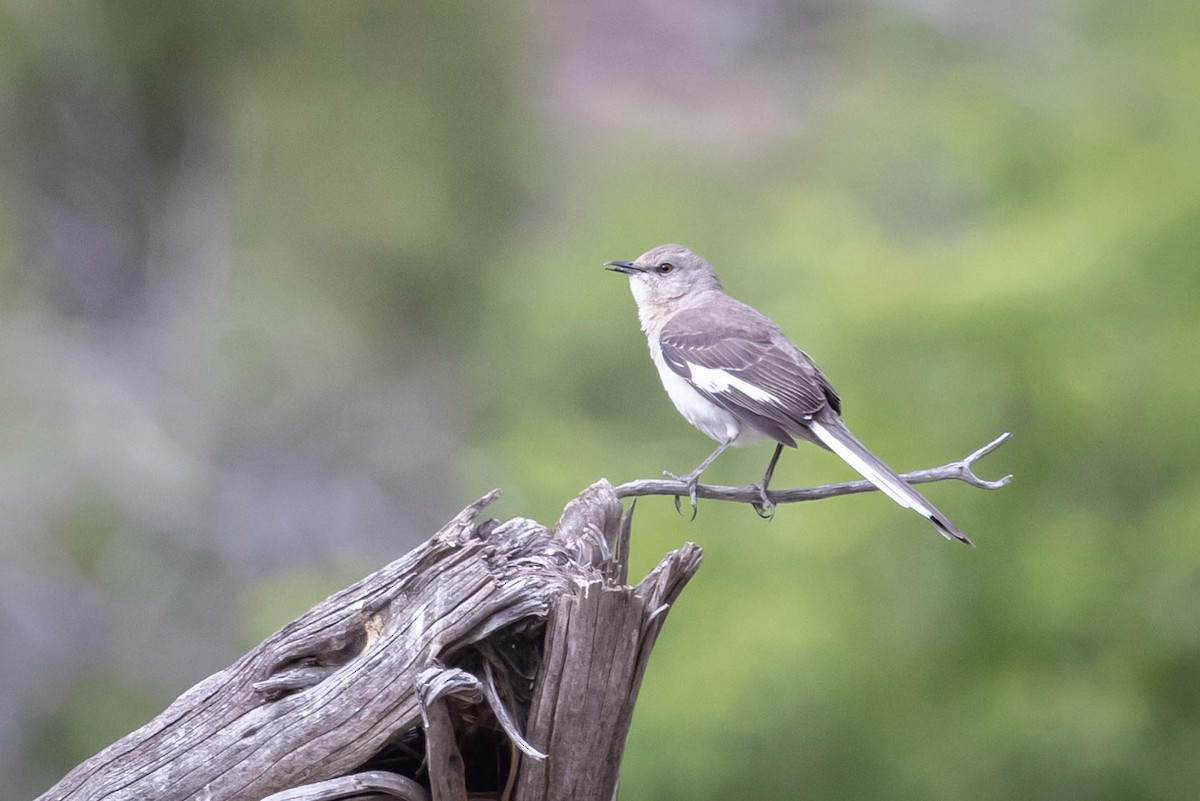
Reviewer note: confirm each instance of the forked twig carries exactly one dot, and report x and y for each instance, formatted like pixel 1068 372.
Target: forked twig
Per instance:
pixel 960 471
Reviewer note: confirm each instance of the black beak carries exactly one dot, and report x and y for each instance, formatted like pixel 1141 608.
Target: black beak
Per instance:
pixel 622 267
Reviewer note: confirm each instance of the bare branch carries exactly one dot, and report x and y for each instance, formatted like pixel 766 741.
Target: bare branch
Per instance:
pixel 960 470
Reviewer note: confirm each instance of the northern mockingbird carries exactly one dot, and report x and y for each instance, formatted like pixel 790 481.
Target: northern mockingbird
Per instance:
pixel 732 374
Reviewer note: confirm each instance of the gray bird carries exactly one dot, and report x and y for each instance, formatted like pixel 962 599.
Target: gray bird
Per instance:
pixel 732 374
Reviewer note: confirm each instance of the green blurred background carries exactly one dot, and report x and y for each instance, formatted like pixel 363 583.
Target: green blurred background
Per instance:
pixel 285 285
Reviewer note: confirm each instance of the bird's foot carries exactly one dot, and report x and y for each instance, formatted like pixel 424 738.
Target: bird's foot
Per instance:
pixel 691 481
pixel 764 507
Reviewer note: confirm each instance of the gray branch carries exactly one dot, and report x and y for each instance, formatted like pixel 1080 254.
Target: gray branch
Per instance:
pixel 962 470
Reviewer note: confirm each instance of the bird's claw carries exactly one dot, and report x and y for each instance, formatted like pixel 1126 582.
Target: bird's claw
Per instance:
pixel 764 507
pixel 693 500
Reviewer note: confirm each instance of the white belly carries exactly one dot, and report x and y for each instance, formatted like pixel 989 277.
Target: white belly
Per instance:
pixel 698 410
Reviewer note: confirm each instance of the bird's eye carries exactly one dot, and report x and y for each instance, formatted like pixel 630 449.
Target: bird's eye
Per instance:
pixel 665 267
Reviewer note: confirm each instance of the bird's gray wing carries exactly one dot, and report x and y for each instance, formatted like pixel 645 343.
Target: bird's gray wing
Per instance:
pixel 739 359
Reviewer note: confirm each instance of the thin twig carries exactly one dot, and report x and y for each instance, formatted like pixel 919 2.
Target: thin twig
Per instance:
pixel 960 470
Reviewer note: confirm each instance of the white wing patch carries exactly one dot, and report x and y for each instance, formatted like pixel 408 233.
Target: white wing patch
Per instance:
pixel 711 380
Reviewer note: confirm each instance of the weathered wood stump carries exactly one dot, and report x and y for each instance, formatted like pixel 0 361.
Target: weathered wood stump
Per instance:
pixel 499 660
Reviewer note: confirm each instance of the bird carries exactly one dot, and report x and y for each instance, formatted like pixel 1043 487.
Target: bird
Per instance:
pixel 734 375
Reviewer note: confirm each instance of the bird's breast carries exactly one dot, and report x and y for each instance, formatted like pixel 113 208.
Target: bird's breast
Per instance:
pixel 698 410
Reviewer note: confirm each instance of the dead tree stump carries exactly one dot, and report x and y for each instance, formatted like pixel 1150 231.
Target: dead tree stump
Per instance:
pixel 496 660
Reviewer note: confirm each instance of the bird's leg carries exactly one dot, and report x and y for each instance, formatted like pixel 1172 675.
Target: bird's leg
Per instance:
pixel 692 478
pixel 766 509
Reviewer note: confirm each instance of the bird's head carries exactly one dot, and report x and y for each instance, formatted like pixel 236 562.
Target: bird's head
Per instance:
pixel 666 277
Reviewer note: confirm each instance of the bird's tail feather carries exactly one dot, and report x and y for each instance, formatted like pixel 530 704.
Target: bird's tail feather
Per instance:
pixel 835 435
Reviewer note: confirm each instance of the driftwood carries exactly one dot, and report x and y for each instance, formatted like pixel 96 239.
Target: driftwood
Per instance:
pixel 496 660
pixel 488 634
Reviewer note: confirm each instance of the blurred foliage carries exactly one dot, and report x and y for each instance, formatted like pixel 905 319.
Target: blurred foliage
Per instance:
pixel 286 285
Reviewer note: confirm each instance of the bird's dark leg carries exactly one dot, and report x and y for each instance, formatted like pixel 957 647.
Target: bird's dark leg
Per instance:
pixel 766 509
pixel 692 478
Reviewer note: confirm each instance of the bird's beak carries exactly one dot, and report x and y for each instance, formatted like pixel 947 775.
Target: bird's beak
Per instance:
pixel 622 267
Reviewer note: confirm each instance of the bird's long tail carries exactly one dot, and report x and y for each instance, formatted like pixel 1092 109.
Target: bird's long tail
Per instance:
pixel 834 434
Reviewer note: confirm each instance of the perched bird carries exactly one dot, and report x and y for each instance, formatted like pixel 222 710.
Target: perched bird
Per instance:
pixel 732 374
